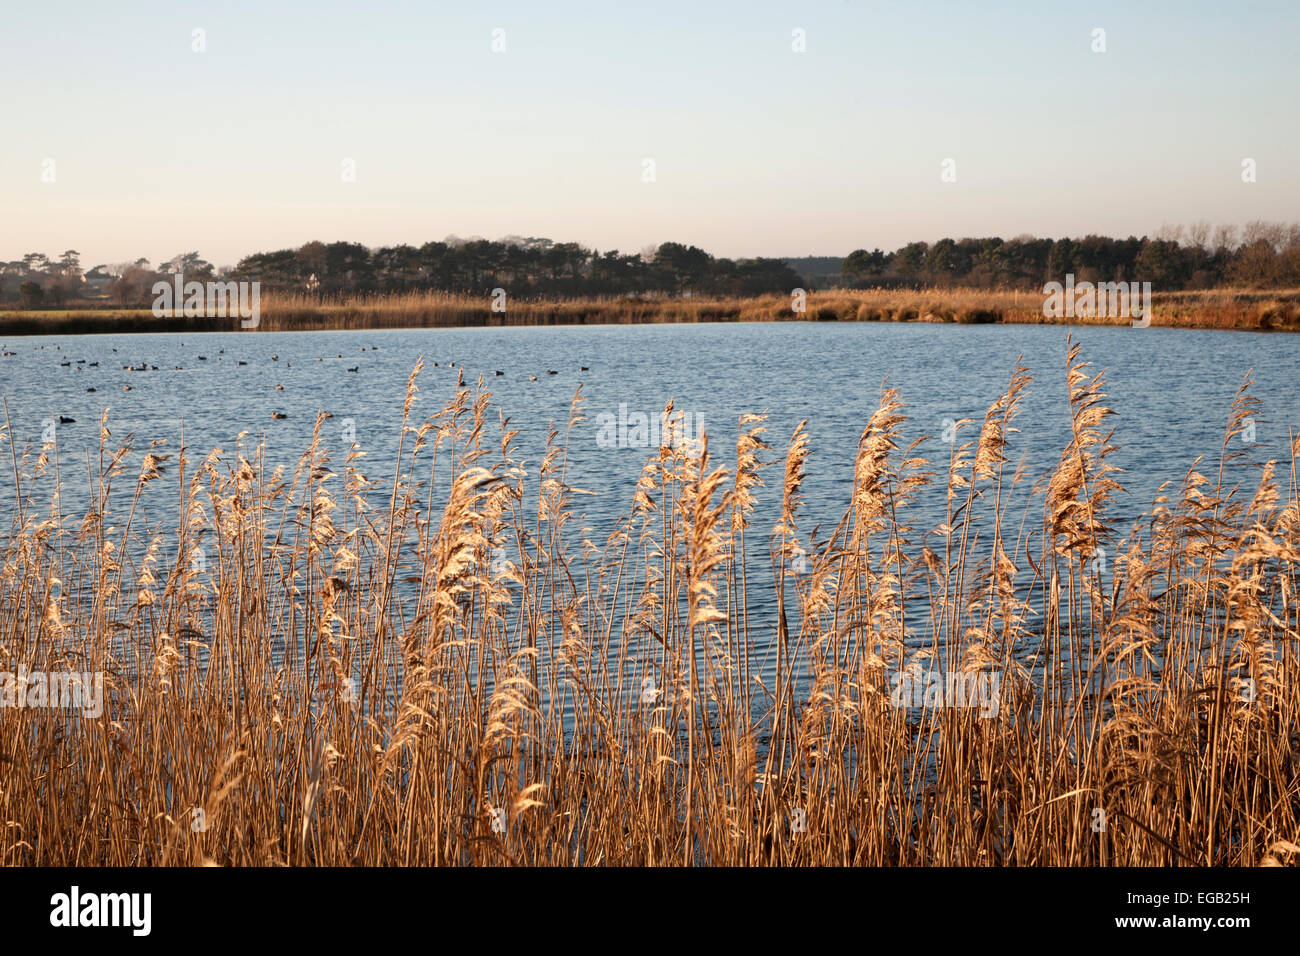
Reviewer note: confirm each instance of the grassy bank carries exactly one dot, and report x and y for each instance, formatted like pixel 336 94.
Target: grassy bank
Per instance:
pixel 1218 309
pixel 607 695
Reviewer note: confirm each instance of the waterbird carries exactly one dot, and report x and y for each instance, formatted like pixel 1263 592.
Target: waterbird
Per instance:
pixel 279 388
pixel 126 388
pixel 65 363
pixel 275 357
pixel 499 372
pixel 550 372
pixel 242 363
pixel 203 358
pixel 532 378
pixel 90 389
pixel 65 420
pixel 354 368
pixel 278 415
pixel 583 368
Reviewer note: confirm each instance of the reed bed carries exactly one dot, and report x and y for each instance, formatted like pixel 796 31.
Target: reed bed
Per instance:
pixel 1213 309
pixel 607 696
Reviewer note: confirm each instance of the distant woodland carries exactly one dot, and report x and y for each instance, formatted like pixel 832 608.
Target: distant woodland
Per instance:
pixel 1258 255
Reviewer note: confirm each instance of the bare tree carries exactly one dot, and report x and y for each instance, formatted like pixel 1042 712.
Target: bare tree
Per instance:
pixel 1225 238
pixel 1274 233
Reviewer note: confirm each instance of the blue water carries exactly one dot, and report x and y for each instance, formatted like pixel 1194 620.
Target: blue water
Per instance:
pixel 1171 389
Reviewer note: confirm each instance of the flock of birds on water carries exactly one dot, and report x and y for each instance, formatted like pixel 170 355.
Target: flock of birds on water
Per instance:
pixel 79 364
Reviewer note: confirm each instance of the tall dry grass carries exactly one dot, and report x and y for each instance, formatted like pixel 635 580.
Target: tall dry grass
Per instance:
pixel 354 680
pixel 1220 308
pixel 1272 310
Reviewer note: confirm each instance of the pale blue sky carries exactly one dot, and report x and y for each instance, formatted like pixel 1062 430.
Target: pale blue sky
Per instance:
pixel 758 150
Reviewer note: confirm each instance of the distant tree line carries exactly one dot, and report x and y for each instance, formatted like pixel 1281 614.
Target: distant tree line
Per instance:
pixel 521 266
pixel 1258 255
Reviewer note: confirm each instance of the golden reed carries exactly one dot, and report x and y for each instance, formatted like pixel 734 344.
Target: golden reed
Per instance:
pixel 1242 309
pixel 606 702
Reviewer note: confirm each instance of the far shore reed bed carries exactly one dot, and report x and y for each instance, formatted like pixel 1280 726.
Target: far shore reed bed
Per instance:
pixel 1270 310
pixel 605 694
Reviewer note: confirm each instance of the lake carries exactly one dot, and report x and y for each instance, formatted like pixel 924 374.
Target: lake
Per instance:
pixel 1171 390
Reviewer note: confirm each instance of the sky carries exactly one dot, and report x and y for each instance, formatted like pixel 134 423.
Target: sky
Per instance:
pixel 119 140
